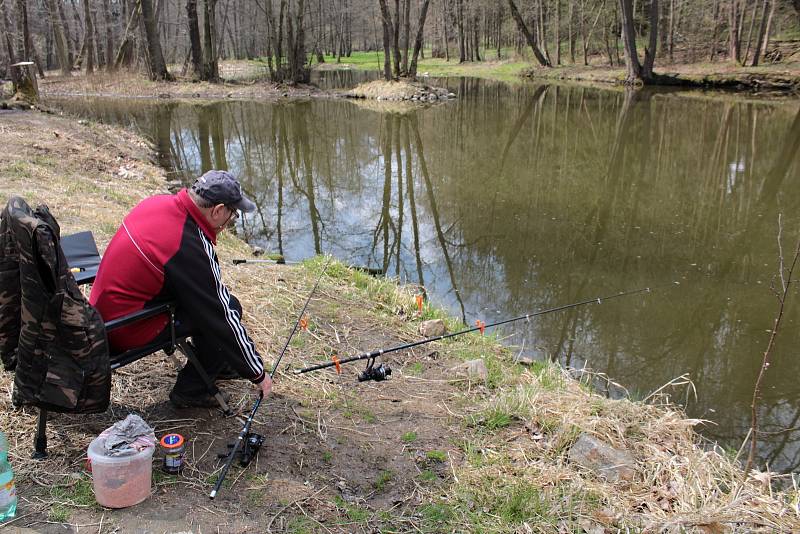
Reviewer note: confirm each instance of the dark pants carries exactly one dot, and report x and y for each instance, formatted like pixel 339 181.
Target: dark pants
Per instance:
pixel 207 348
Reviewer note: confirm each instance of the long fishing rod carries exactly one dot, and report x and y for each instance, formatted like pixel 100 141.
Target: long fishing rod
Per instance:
pixel 244 434
pixel 382 371
pixel 373 271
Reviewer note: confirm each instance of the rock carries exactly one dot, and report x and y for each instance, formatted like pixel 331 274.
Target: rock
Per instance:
pixel 432 328
pixel 164 95
pixel 474 369
pixel 257 251
pixel 604 460
pixel 451 95
pixel 525 359
pixel 83 122
pixel 432 98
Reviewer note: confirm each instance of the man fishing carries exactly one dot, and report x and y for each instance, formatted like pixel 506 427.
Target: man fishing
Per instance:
pixel 164 251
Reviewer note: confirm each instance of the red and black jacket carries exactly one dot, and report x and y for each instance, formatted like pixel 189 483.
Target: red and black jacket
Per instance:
pixel 164 251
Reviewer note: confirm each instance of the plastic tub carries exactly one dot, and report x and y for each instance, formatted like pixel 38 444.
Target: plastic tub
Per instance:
pixel 120 481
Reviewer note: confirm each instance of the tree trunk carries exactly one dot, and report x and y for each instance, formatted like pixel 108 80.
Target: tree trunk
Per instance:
pixel 109 36
pixel 60 40
pixel 98 47
pixel 650 50
pixel 529 38
pixel 386 21
pixel 462 45
pixel 423 13
pixel 671 32
pixel 396 39
pixel 760 44
pixel 22 30
pixel 125 51
pixel 715 10
pixel 194 37
pixel 632 66
pixel 210 66
pixel 406 35
pixel 298 69
pixel 558 32
pixel 158 67
pixel 734 48
pixel 279 49
pixel 6 24
pixel 88 37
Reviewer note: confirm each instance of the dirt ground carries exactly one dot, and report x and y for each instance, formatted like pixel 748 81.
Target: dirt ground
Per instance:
pixel 430 450
pixel 132 85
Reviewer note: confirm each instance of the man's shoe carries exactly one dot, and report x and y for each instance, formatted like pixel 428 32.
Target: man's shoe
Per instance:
pixel 202 401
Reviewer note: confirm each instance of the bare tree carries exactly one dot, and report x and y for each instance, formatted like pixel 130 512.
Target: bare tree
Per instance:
pixel 423 13
pixel 529 37
pixel 785 279
pixel 88 38
pixel 158 67
pixel 388 31
pixel 210 65
pixel 194 36
pixel 60 41
pixel 635 69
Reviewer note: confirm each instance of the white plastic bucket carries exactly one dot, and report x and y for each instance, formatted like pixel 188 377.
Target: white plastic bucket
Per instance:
pixel 120 481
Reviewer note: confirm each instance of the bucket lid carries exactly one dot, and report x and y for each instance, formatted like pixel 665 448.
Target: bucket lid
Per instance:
pixel 172 441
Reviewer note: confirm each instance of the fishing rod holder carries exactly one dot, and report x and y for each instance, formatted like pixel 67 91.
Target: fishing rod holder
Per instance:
pixel 251 444
pixel 378 374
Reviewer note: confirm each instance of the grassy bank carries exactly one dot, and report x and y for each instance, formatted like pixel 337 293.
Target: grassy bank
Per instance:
pixel 780 76
pixel 434 449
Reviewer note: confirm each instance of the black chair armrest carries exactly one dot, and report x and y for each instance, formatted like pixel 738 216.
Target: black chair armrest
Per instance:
pixel 145 313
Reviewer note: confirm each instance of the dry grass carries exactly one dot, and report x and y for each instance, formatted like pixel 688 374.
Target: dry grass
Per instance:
pixel 680 485
pixel 136 85
pixel 502 463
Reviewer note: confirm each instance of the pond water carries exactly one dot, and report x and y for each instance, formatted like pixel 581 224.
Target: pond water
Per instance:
pixel 517 198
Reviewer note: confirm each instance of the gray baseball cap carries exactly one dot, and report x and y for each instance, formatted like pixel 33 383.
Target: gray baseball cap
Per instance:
pixel 221 187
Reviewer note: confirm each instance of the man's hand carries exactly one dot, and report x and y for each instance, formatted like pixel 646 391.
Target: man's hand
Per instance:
pixel 266 386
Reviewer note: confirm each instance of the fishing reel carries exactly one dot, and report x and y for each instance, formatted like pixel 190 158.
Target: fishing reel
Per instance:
pixel 250 446
pixel 378 374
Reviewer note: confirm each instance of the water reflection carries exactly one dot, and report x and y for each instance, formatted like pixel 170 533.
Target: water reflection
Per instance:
pixel 515 199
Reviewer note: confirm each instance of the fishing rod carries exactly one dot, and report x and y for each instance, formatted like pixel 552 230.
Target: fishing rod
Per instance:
pixel 369 270
pixel 245 439
pixel 382 371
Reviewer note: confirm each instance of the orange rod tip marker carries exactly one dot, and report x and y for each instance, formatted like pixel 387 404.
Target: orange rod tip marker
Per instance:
pixel 337 363
pixel 304 323
pixel 480 324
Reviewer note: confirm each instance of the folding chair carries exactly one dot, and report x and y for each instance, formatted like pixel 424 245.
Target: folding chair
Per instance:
pixel 83 259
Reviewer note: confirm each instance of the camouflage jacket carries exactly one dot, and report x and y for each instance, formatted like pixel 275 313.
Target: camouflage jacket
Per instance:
pixel 53 339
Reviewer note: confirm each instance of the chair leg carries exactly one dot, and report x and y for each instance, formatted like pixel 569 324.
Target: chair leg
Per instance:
pixel 186 348
pixel 40 441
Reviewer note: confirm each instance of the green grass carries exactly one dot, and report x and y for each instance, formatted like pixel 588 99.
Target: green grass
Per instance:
pixel 507 70
pixel 80 494
pixel 436 456
pixel 58 513
pixel 436 517
pixel 493 418
pixel 383 479
pixel 409 437
pixel 353 512
pixel 327 457
pixel 500 506
pixel 300 525
pixel 415 369
pixel 428 476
